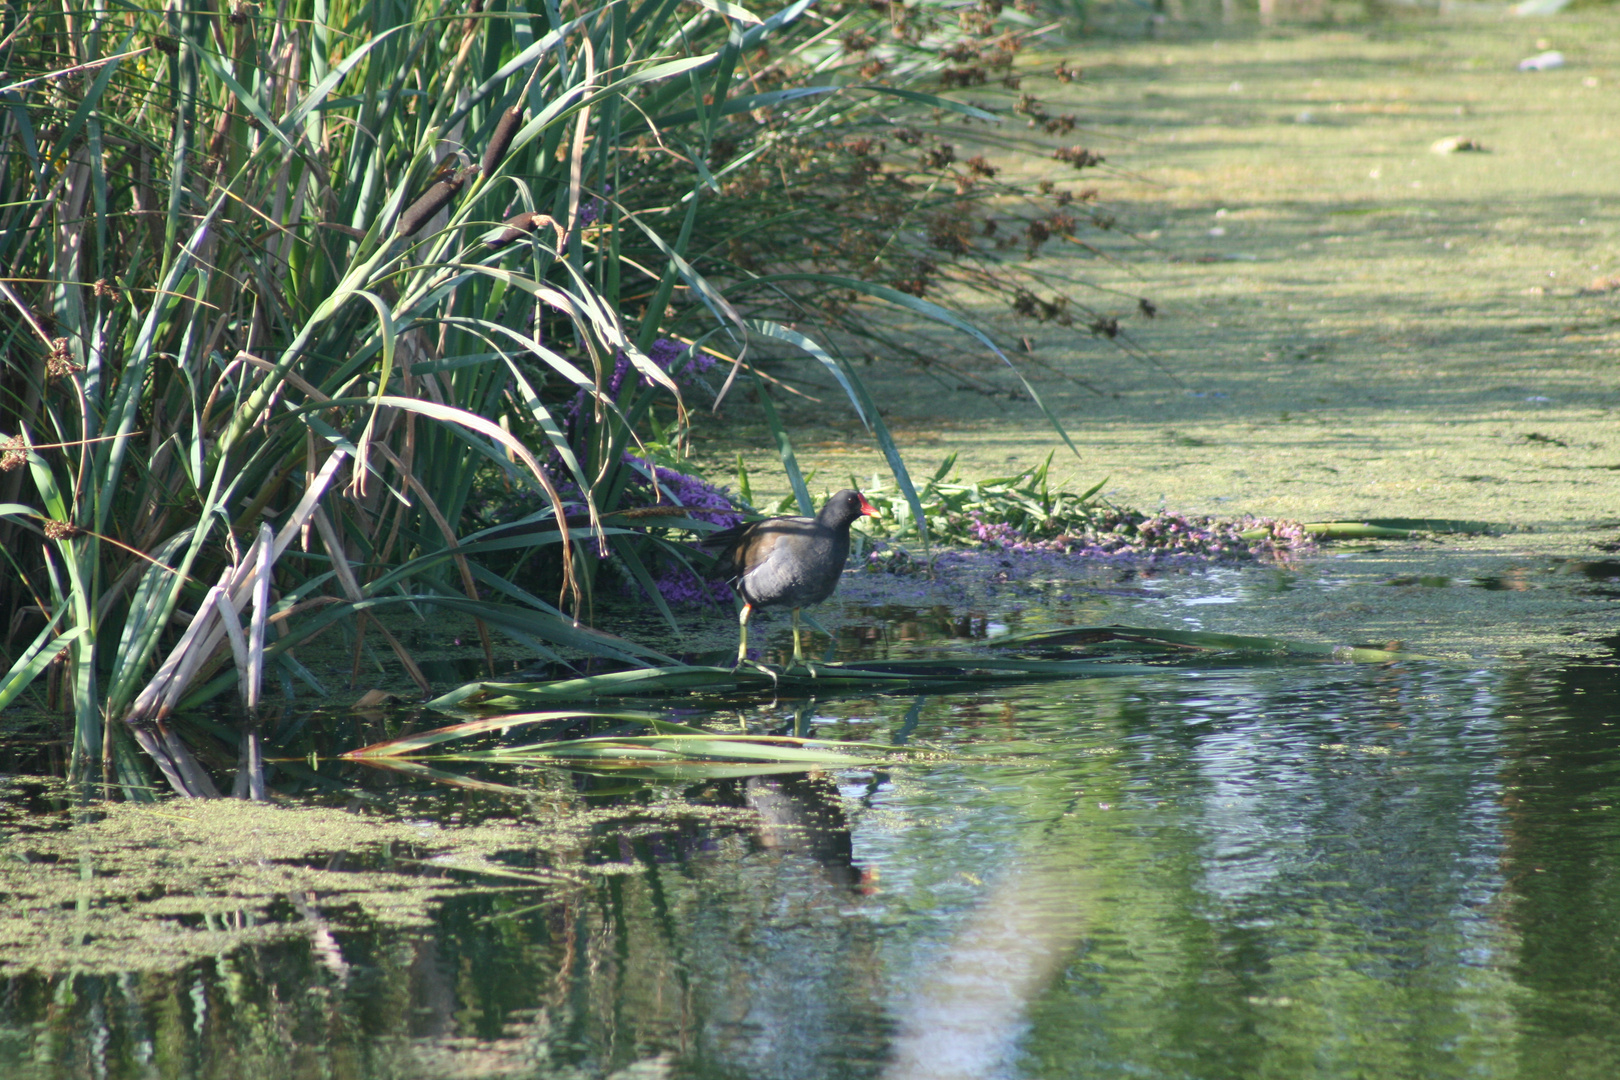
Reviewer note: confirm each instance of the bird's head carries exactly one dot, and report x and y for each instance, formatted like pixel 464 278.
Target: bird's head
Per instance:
pixel 845 507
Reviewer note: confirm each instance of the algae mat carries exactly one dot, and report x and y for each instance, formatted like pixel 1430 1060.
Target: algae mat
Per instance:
pixel 140 887
pixel 1349 323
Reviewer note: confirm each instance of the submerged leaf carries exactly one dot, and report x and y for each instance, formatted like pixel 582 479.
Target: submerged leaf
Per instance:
pixel 410 743
pixel 855 676
pixel 1153 639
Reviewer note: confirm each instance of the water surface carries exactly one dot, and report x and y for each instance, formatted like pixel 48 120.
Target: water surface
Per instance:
pixel 1310 869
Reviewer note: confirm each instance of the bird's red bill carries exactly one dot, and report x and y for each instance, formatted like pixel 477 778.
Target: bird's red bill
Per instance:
pixel 867 509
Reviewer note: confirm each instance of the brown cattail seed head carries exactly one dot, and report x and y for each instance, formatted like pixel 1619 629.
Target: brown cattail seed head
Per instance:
pixel 517 226
pixel 521 225
pixel 432 201
pixel 501 141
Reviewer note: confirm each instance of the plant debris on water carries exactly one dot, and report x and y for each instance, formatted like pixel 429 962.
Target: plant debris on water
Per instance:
pixel 1022 514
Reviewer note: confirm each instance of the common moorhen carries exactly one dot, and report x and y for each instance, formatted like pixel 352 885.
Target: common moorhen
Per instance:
pixel 786 561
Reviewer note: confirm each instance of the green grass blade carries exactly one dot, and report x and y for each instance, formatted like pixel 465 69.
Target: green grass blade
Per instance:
pixel 933 101
pixel 643 681
pixel 37 657
pixel 731 11
pixel 745 103
pixel 631 559
pixel 821 356
pixel 891 454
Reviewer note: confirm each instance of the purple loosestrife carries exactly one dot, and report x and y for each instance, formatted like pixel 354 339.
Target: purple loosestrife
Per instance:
pixel 708 502
pixel 675 583
pixel 678 585
pixel 590 210
pixel 680 360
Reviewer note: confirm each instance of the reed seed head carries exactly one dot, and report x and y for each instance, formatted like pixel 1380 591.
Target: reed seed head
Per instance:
pixel 59 364
pixel 432 201
pixel 1078 156
pixel 501 141
pixel 13 452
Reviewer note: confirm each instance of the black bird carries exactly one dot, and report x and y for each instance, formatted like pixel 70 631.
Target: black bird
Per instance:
pixel 786 561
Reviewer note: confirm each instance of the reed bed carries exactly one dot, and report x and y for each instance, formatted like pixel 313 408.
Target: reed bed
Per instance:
pixel 290 291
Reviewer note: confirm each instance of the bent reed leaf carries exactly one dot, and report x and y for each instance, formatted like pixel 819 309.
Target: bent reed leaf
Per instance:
pixel 411 743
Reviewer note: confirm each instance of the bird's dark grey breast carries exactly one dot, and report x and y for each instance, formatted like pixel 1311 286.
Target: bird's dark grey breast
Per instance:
pixel 799 563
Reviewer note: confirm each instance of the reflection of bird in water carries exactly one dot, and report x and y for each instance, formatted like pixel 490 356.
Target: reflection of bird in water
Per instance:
pixel 786 561
pixel 804 815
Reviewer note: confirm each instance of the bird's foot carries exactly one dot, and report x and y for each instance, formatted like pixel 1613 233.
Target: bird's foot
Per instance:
pixel 759 666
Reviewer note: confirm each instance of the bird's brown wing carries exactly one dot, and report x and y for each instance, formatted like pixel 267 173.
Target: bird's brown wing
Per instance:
pixel 746 547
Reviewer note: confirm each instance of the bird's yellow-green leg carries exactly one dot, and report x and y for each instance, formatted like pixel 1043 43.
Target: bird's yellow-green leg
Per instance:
pixel 742 633
pixel 798 653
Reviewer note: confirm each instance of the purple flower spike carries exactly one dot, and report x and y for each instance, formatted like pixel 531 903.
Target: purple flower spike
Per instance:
pixel 679 359
pixel 710 503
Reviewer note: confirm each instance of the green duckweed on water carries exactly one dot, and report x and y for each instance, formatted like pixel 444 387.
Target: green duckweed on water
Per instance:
pixel 118 887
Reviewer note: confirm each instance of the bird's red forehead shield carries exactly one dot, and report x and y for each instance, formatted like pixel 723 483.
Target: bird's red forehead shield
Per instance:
pixel 867 509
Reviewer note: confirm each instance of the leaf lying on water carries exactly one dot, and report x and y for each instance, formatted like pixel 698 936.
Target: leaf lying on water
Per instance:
pixel 906 674
pixel 871 675
pixel 705 747
pixel 1155 640
pixel 410 743
pixel 677 752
